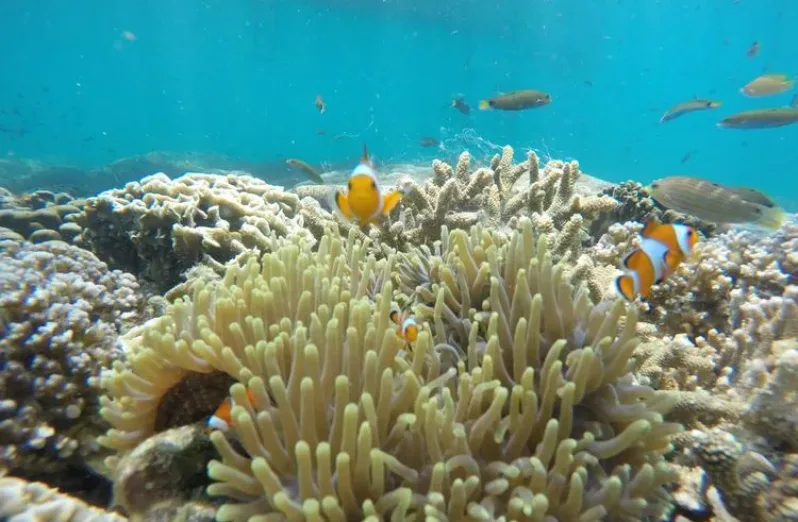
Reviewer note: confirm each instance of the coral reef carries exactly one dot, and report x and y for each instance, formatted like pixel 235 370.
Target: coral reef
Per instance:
pixel 529 393
pixel 39 216
pixel 21 500
pixel 158 228
pixel 496 195
pixel 61 311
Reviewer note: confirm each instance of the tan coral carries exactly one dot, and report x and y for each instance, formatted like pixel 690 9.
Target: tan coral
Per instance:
pixel 21 500
pixel 158 228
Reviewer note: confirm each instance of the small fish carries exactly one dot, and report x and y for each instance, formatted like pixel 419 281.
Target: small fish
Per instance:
pixel 761 118
pixel 221 419
pixel 767 85
pixel 663 247
pixel 689 106
pixel 127 35
pixel 320 105
pixel 429 141
pixel 516 101
pixel 716 203
pixel 687 156
pixel 458 102
pixel 309 171
pixel 363 202
pixel 407 328
pixel 753 50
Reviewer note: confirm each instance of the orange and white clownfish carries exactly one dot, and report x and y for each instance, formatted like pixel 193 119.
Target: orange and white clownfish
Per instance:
pixel 407 328
pixel 221 419
pixel 363 201
pixel 662 249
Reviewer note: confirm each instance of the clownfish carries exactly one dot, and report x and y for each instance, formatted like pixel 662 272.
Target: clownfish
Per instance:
pixel 407 328
pixel 363 202
pixel 221 419
pixel 662 249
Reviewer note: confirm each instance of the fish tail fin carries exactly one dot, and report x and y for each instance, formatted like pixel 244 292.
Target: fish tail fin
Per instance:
pixel 390 201
pixel 625 286
pixel 484 105
pixel 794 101
pixel 772 218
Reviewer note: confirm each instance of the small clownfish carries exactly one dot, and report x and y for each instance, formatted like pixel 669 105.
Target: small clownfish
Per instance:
pixel 407 328
pixel 221 419
pixel 363 202
pixel 662 249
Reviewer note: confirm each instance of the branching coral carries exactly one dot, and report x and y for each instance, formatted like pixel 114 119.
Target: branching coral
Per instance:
pixel 158 228
pixel 460 197
pixel 61 311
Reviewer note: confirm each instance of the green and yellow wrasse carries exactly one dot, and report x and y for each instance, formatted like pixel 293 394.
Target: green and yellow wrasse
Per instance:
pixel 363 201
pixel 683 108
pixel 516 101
pixel 309 171
pixel 767 85
pixel 761 118
pixel 716 203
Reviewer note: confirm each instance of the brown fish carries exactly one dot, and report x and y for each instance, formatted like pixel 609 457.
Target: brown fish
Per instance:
pixel 716 203
pixel 309 171
pixel 459 103
pixel 320 105
pixel 767 85
pixel 689 106
pixel 516 101
pixel 429 141
pixel 761 118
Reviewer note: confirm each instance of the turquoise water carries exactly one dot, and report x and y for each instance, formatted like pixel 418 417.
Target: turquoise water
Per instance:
pixel 239 77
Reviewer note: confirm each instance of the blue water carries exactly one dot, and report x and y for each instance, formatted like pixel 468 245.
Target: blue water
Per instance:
pixel 239 77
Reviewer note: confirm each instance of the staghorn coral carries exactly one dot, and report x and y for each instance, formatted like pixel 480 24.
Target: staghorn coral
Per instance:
pixel 557 197
pixel 158 228
pixel 40 216
pixel 21 500
pixel 61 311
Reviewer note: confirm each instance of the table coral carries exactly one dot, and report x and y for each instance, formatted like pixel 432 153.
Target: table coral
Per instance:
pixel 61 311
pixel 158 228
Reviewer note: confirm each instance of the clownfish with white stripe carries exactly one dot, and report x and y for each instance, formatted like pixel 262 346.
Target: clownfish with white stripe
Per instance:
pixel 221 418
pixel 363 200
pixel 663 247
pixel 407 328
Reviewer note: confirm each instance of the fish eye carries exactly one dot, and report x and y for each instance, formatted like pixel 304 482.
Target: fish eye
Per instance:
pixel 373 185
pixel 690 232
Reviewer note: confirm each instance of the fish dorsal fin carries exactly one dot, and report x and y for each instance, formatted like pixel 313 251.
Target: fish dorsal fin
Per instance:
pixel 364 158
pixel 650 227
